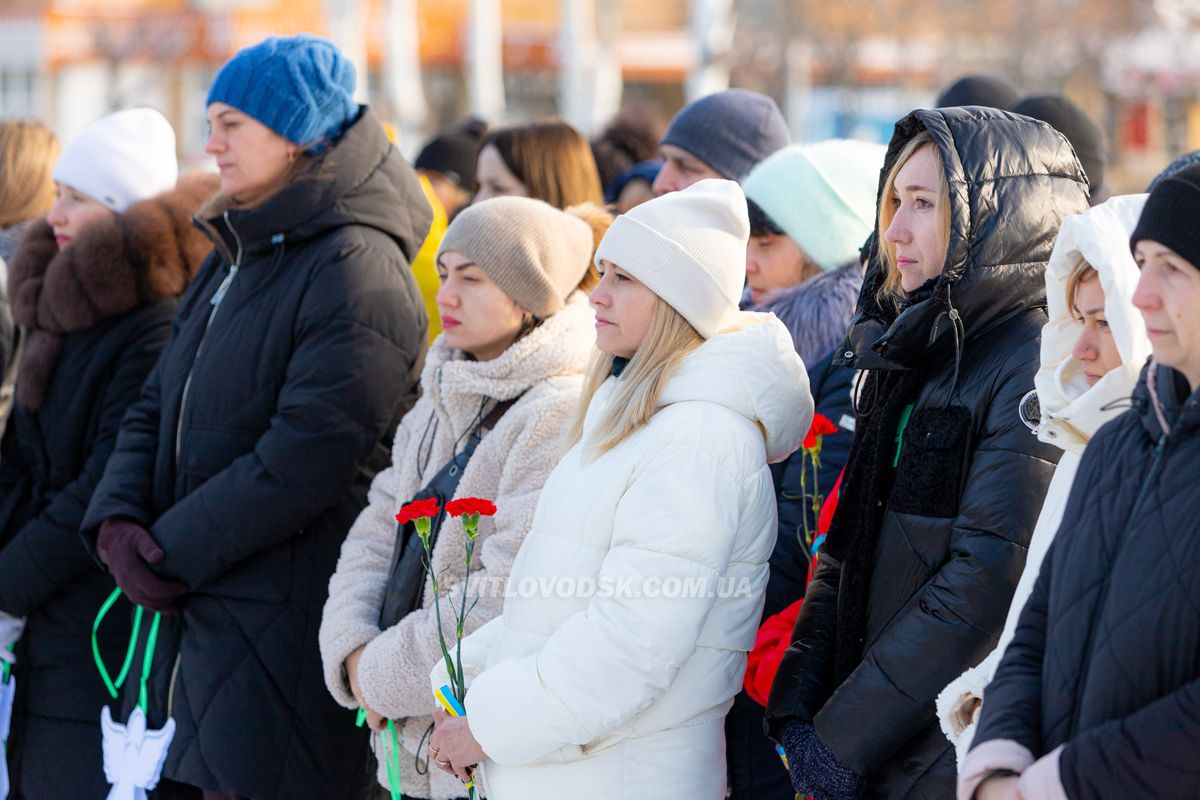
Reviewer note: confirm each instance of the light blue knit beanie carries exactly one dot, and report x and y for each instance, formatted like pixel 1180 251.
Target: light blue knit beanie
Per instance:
pixel 821 195
pixel 301 87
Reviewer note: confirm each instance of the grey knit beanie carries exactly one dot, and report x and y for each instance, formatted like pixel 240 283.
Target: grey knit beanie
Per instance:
pixel 535 253
pixel 730 131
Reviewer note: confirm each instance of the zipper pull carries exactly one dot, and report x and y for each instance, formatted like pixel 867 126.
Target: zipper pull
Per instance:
pixel 224 287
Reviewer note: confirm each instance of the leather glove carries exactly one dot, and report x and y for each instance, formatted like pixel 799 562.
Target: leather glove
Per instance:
pixel 814 769
pixel 128 550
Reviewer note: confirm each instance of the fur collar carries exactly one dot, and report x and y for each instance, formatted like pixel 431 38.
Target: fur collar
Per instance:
pixel 116 265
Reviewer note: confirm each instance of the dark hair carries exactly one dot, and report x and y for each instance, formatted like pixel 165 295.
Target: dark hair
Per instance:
pixel 761 223
pixel 630 138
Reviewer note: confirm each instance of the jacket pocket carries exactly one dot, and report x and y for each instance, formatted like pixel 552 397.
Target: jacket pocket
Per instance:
pixel 933 457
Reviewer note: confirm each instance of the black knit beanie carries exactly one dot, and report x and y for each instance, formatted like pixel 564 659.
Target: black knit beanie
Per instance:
pixel 1171 215
pixel 1072 122
pixel 978 90
pixel 453 152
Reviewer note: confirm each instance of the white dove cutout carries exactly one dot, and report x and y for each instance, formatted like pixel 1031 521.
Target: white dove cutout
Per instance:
pixel 7 692
pixel 133 755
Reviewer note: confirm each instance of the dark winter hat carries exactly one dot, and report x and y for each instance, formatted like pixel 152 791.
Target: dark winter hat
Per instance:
pixel 1170 214
pixel 978 90
pixel 1183 162
pixel 730 131
pixel 645 171
pixel 1072 122
pixel 454 151
pixel 301 87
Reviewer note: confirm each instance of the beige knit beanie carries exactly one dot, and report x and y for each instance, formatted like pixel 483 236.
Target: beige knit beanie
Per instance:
pixel 535 253
pixel 687 247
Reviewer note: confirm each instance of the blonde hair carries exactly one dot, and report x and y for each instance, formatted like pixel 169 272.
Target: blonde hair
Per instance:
pixel 1081 273
pixel 599 219
pixel 668 341
pixel 28 152
pixel 887 211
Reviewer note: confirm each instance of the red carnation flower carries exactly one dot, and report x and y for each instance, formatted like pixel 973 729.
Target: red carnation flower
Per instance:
pixel 471 505
pixel 417 509
pixel 821 426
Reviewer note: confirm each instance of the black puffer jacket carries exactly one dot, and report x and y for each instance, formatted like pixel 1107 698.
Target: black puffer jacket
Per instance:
pixel 250 453
pixel 107 302
pixel 949 545
pixel 1106 658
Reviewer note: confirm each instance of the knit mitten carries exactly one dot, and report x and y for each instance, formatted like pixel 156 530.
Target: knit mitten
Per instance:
pixel 814 769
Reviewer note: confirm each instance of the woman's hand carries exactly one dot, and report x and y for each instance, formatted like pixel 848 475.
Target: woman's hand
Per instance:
pixel 1005 788
pixel 375 721
pixel 452 746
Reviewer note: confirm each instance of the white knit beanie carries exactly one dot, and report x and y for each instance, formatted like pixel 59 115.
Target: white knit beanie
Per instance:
pixel 687 247
pixel 121 159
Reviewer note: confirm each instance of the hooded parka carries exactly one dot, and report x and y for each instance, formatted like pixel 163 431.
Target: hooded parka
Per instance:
pixel 543 373
pixel 103 308
pixel 638 591
pixel 1101 681
pixel 1071 411
pixel 948 525
pixel 293 357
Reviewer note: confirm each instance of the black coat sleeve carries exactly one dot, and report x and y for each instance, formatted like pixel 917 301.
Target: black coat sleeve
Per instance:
pixel 953 620
pixel 46 554
pixel 344 380
pixel 804 680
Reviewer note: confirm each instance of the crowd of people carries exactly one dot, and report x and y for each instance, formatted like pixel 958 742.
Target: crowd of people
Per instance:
pixel 908 427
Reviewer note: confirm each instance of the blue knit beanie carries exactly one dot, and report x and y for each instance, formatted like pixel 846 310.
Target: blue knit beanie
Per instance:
pixel 300 86
pixel 730 131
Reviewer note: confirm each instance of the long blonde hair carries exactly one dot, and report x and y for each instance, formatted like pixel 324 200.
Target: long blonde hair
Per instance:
pixel 28 152
pixel 669 339
pixel 887 211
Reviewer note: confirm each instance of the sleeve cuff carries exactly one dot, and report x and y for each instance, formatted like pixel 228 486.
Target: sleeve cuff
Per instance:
pixel 1042 781
pixel 988 757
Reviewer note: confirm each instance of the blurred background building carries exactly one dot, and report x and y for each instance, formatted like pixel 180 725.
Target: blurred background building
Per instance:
pixel 840 67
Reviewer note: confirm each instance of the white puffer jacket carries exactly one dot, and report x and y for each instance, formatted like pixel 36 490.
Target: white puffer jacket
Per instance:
pixel 545 369
pixel 638 592
pixel 1071 412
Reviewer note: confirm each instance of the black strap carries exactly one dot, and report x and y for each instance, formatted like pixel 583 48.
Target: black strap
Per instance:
pixel 406 578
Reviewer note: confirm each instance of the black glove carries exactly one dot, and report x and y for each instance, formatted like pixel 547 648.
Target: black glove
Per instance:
pixel 813 767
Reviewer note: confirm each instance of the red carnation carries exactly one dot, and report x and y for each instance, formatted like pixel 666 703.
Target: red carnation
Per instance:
pixel 417 509
pixel 821 426
pixel 471 505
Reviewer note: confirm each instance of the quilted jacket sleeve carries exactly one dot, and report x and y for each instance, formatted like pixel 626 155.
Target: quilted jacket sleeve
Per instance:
pixel 351 615
pixel 337 401
pixel 679 518
pixel 960 611
pixel 413 642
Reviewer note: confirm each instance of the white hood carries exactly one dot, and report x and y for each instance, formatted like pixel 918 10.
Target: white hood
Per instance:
pixel 1071 411
pixel 751 367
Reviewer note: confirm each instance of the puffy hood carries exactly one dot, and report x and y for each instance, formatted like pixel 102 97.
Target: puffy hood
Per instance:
pixel 1012 181
pixel 1071 410
pixel 751 368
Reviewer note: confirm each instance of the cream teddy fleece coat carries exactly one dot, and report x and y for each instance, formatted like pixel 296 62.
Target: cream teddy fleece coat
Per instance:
pixel 545 370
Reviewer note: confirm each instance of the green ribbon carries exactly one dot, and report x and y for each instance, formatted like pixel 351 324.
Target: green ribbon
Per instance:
pixel 391 756
pixel 151 640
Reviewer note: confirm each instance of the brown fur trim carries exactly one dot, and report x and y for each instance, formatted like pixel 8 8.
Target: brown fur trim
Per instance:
pixel 115 265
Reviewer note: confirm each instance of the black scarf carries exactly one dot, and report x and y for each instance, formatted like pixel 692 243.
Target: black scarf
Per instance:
pixel 866 487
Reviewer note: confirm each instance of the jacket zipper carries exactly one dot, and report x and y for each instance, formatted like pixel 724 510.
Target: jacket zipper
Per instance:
pixel 235 264
pixel 1160 450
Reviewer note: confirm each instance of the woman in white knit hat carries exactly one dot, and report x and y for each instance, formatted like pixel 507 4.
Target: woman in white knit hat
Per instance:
pixel 94 287
pixel 636 595
pixel 500 385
